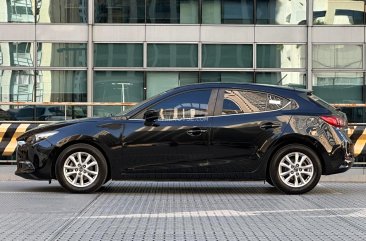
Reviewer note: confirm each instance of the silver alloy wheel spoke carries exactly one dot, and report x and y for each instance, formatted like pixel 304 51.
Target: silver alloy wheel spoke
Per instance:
pixel 299 172
pixel 78 172
pixel 91 164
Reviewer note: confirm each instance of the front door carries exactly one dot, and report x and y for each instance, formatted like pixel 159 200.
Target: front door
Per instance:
pixel 178 140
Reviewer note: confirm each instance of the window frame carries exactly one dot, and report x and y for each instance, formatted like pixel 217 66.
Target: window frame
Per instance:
pixel 210 108
pixel 221 96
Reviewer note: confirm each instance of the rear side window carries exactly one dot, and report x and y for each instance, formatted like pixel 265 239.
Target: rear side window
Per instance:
pixel 246 101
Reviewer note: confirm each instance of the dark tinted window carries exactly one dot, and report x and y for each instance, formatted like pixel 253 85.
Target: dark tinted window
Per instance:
pixel 172 11
pixel 185 105
pixel 245 101
pixel 119 11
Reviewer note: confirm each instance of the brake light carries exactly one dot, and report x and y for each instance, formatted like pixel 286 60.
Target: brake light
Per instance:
pixel 334 120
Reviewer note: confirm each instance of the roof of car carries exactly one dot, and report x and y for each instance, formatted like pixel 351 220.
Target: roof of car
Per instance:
pixel 262 87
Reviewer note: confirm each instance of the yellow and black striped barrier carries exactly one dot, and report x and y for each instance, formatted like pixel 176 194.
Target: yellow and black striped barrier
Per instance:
pixel 9 132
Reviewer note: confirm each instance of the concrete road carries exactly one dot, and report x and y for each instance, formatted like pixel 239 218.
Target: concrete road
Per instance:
pixel 31 210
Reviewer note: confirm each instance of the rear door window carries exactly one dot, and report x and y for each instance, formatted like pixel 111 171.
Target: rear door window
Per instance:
pixel 237 101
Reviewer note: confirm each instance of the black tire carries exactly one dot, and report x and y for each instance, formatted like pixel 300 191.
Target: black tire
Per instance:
pixel 308 182
pixel 100 167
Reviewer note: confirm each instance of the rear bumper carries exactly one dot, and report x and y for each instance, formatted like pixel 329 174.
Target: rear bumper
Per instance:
pixel 341 159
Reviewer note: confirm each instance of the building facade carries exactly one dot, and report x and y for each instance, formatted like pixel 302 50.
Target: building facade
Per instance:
pixel 129 50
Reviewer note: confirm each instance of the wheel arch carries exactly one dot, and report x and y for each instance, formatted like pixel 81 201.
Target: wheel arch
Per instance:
pixel 57 153
pixel 309 142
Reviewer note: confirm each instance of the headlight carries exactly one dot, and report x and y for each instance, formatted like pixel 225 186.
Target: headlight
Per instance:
pixel 42 136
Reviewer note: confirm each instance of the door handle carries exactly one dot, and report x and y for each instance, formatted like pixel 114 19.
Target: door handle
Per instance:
pixel 196 132
pixel 270 125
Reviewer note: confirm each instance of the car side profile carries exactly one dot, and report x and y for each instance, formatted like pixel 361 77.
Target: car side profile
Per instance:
pixel 213 131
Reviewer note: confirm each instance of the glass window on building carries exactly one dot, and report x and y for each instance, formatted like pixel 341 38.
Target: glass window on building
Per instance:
pixel 294 79
pixel 172 11
pixel 16 85
pixel 118 55
pixel 342 12
pixel 228 77
pixel 339 87
pixel 172 55
pixel 227 11
pixel 116 86
pixel 281 55
pixel 281 12
pixel 158 82
pixel 16 54
pixel 62 54
pixel 62 11
pixel 227 55
pixel 119 11
pixel 61 86
pixel 339 56
pixel 17 11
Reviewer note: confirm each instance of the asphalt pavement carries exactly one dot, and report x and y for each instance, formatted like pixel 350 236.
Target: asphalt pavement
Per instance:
pixel 145 210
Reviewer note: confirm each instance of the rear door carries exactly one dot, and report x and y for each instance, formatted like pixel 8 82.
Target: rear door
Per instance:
pixel 244 125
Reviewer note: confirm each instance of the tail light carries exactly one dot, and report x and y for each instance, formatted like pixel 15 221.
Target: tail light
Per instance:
pixel 334 120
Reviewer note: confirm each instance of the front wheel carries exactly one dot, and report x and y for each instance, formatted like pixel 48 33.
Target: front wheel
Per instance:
pixel 295 169
pixel 81 168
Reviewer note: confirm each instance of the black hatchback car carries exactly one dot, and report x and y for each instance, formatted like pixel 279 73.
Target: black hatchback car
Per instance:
pixel 214 131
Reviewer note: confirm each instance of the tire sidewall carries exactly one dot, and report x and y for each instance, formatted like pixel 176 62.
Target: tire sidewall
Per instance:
pixel 274 174
pixel 99 157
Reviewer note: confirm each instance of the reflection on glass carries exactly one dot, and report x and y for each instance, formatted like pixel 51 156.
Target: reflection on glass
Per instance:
pixel 339 87
pixel 172 11
pixel 294 79
pixel 61 86
pixel 227 55
pixel 16 85
pixel 17 54
pixel 62 54
pixel 227 11
pixel 281 12
pixel 17 11
pixel 62 11
pixel 337 56
pixel 117 86
pixel 355 115
pixel 118 55
pixel 339 12
pixel 158 82
pixel 281 56
pixel 172 55
pixel 119 11
pixel 229 77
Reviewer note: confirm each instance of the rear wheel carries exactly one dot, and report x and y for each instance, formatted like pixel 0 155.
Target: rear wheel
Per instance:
pixel 81 168
pixel 295 169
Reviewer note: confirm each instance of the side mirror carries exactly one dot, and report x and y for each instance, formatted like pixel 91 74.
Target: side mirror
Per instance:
pixel 150 116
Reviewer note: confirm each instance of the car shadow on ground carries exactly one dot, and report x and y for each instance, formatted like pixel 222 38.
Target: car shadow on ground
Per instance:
pixel 152 188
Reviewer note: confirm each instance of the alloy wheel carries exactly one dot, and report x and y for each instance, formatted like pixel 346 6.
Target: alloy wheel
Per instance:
pixel 80 169
pixel 296 169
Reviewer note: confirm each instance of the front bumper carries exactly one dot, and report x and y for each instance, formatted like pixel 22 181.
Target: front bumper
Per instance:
pixel 33 160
